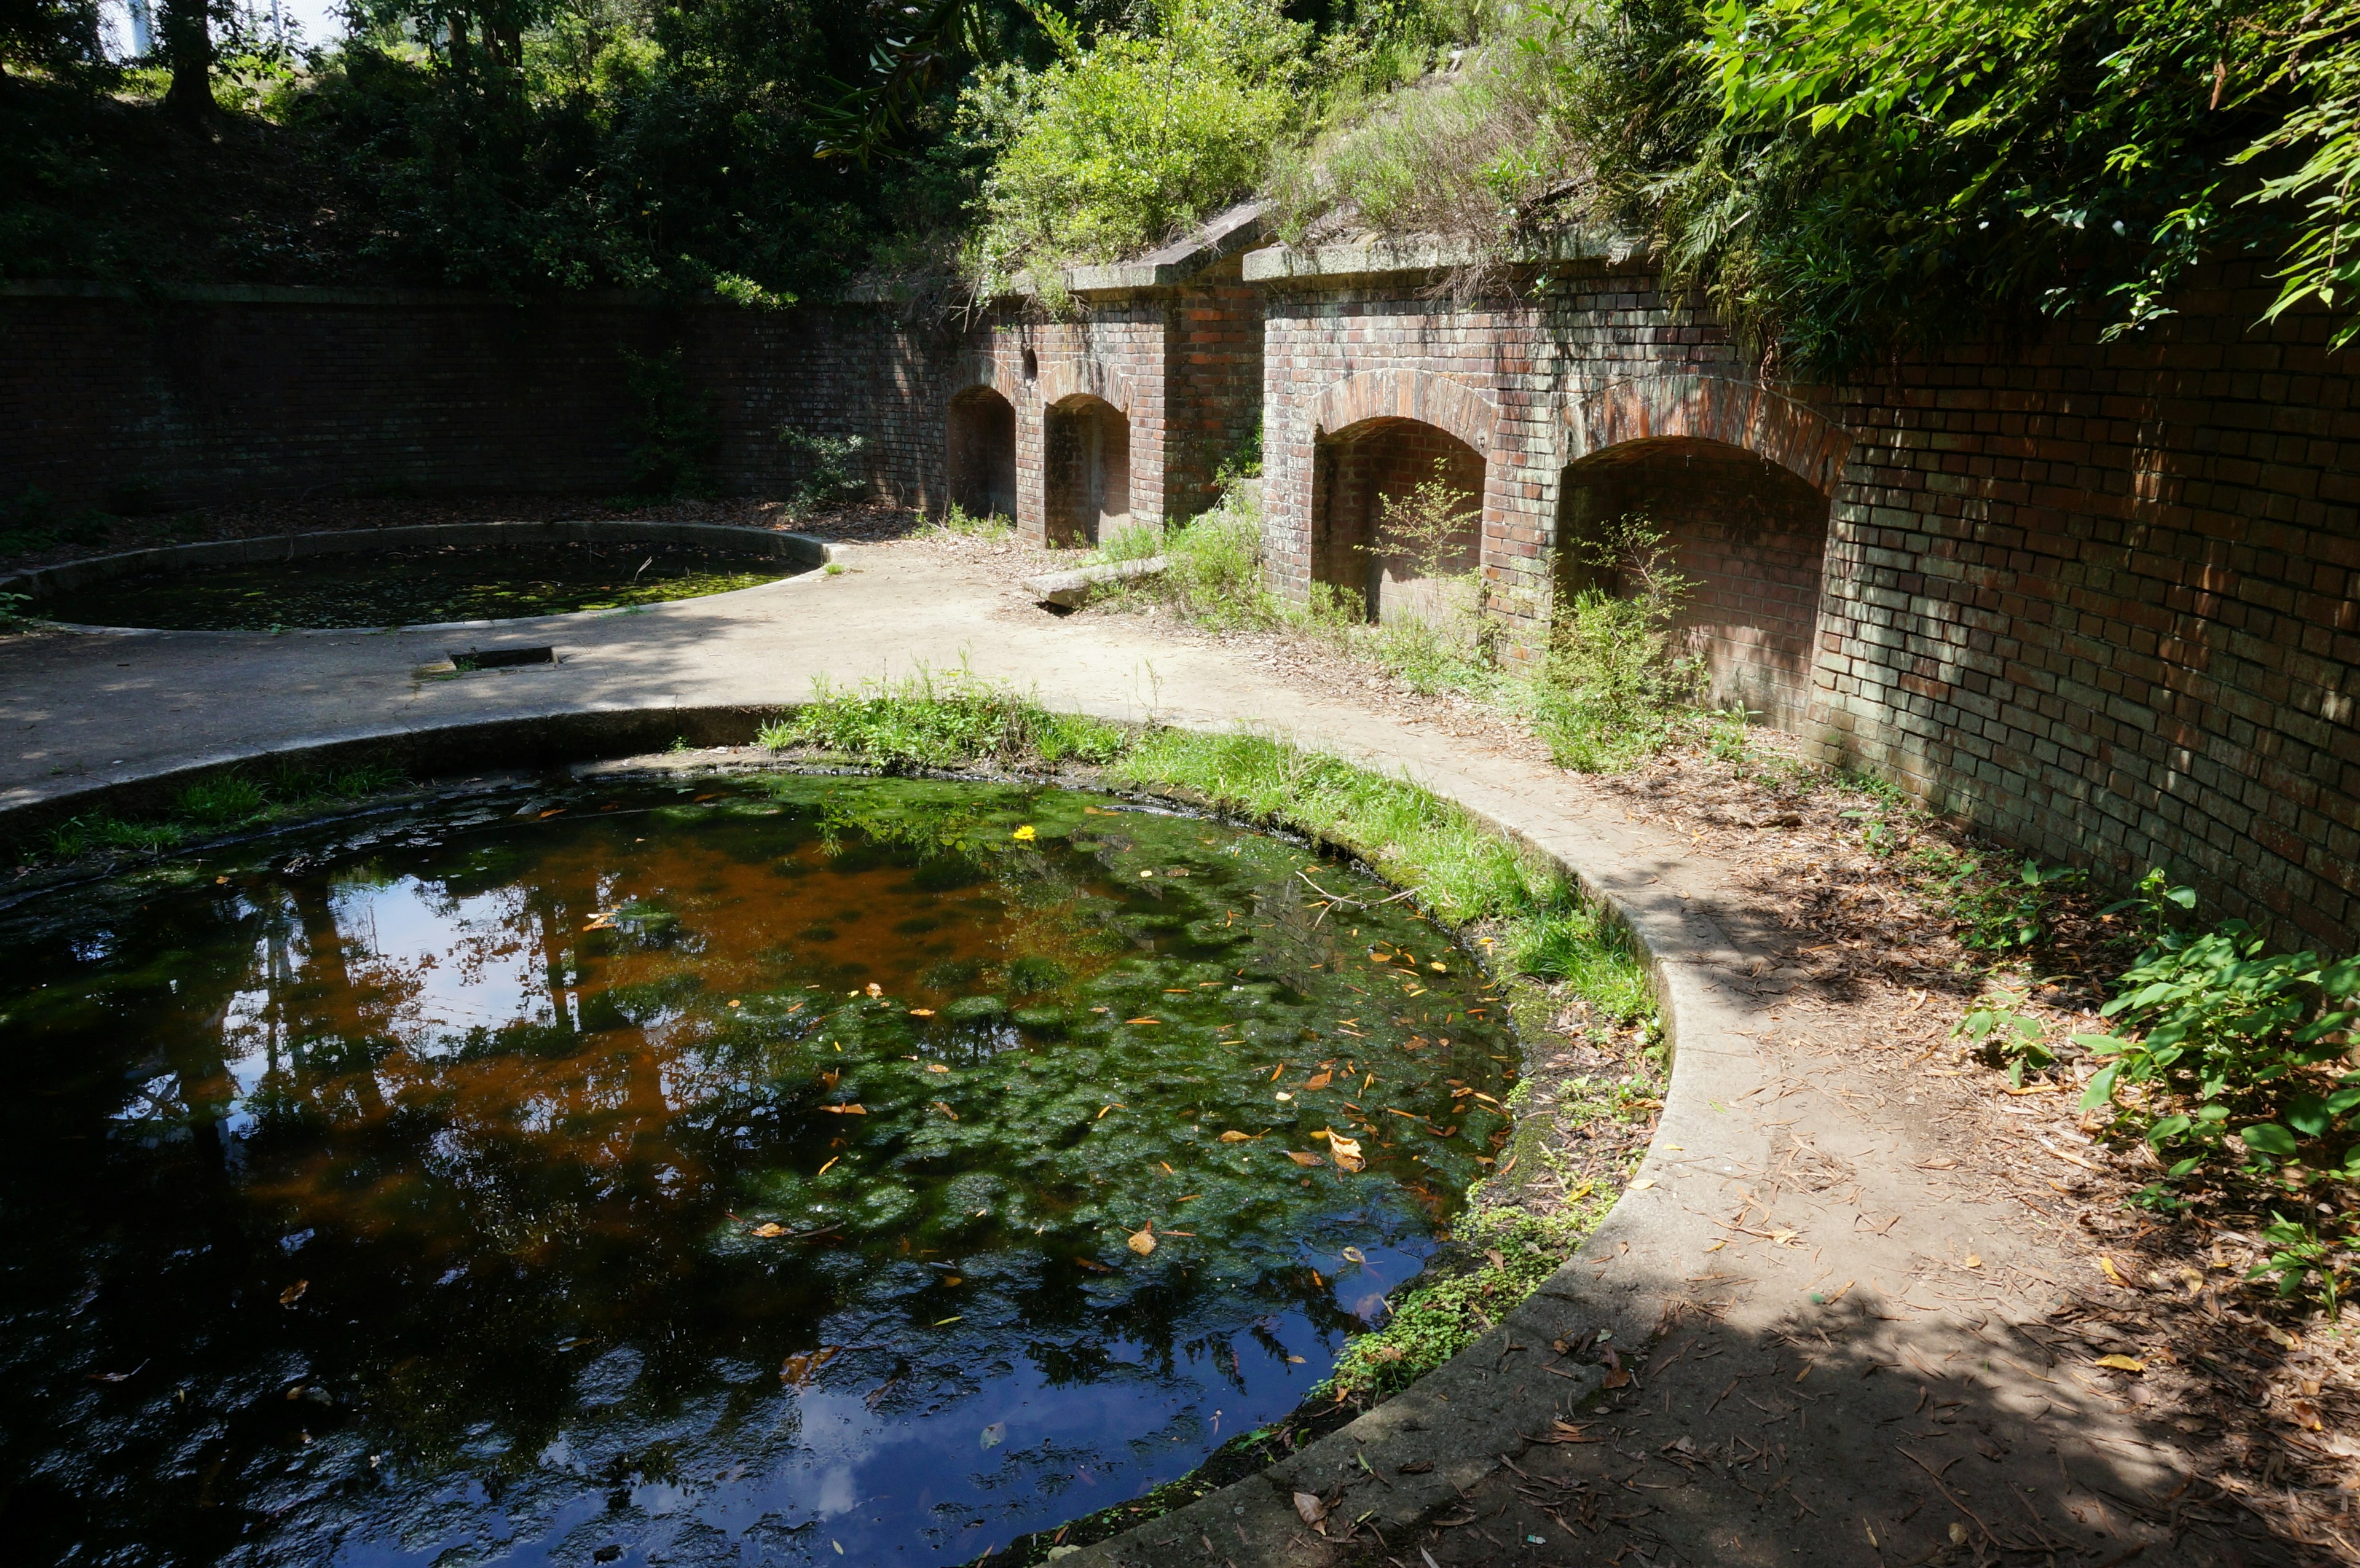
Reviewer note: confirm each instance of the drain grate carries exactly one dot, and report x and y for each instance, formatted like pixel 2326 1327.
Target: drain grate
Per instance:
pixel 502 658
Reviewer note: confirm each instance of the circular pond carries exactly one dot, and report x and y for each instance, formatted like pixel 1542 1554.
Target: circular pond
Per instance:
pixel 779 1170
pixel 413 586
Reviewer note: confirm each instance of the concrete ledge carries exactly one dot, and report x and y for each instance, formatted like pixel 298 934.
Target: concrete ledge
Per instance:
pixel 805 551
pixel 1072 589
pixel 1382 256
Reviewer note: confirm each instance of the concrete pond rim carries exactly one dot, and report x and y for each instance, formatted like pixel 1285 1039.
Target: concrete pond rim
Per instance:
pixel 1423 1446
pixel 811 555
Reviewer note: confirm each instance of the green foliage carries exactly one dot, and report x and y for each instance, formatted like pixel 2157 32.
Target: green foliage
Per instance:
pixel 36 520
pixel 225 802
pixel 1998 914
pixel 1475 155
pixel 672 433
pixel 1614 685
pixel 957 522
pixel 1464 874
pixel 1122 143
pixel 2300 1255
pixel 935 721
pixel 2006 1038
pixel 829 477
pixel 1842 178
pixel 2231 1047
pixel 1438 1318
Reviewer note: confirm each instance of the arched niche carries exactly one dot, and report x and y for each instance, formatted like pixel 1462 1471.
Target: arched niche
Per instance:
pixel 1086 470
pixel 980 454
pixel 1367 541
pixel 1748 534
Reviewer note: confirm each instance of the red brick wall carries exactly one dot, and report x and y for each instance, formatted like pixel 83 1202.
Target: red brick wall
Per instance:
pixel 1358 473
pixel 2102 598
pixel 115 402
pixel 1748 536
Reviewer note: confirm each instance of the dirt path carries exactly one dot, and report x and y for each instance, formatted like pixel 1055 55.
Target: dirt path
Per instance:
pixel 1852 1302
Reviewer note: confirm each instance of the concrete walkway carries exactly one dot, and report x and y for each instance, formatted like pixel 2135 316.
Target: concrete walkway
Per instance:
pixel 1852 1360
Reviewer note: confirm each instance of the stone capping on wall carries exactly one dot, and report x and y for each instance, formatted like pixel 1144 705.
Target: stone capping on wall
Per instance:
pixel 1223 235
pixel 1711 407
pixel 806 552
pixel 1376 257
pixel 293 294
pixel 1419 395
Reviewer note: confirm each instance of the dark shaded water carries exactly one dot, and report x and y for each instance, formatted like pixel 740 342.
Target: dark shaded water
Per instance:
pixel 412 587
pixel 742 1174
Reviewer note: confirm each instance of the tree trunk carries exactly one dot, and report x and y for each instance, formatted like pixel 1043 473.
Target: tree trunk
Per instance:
pixel 189 50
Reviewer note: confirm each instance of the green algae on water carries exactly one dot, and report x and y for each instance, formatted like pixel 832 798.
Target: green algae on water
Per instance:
pixel 790 1160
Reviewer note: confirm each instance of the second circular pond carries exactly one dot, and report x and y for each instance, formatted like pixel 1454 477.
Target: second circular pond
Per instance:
pixel 787 1170
pixel 416 585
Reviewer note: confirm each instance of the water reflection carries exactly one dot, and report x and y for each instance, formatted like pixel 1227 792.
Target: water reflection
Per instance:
pixel 806 1165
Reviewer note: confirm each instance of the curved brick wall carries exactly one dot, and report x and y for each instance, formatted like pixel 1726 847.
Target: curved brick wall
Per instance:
pixel 2102 598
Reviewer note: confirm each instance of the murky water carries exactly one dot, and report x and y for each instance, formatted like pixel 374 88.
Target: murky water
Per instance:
pixel 791 1170
pixel 413 587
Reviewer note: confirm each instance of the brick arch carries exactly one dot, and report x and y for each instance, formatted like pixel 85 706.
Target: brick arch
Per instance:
pixel 1741 414
pixel 1088 377
pixel 1419 395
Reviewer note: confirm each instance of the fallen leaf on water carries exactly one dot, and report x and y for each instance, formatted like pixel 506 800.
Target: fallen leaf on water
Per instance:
pixel 1233 1136
pixel 1439 968
pixel 1347 1152
pixel 941 1321
pixel 1143 1021
pixel 1093 1264
pixel 770 1229
pixel 798 1368
pixel 702 799
pixel 1295 1361
pixel 997 1430
pixel 1282 1094
pixel 553 811
pixel 1142 1242
pixel 2121 1363
pixel 875 989
pixel 1024 834
pixel 1305 1159
pixel 936 1067
pixel 1354 1255
pixel 946 1110
pixel 823 1169
pixel 922 1012
pixel 1101 1115
pixel 293 1293
pixel 1318 1081
pixel 846 1110
pixel 1310 1508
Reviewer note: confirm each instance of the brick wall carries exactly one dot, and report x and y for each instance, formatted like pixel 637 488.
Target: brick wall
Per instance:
pixel 2102 598
pixel 122 403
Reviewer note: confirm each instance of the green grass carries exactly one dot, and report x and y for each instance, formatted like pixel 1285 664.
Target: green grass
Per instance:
pixel 957 522
pixel 1530 917
pixel 225 802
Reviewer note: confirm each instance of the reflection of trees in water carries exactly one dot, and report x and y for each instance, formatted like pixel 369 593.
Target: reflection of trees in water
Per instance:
pixel 499 1209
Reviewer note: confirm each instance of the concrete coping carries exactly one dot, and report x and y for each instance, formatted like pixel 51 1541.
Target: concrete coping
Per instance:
pixel 1380 256
pixel 1223 235
pixel 804 551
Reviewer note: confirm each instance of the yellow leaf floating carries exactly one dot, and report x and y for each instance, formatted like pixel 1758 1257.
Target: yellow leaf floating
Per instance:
pixel 1305 1159
pixel 2121 1363
pixel 768 1229
pixel 846 1110
pixel 1347 1152
pixel 1143 1021
pixel 1142 1242
pixel 1233 1136
pixel 1024 834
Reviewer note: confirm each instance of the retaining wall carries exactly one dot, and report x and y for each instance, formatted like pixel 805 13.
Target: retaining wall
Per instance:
pixel 2102 598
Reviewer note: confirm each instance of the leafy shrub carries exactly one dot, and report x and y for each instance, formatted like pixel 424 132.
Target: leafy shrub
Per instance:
pixel 1120 145
pixel 1614 685
pixel 829 478
pixel 2230 1045
pixel 674 433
